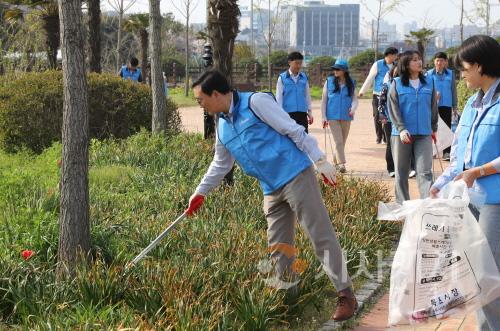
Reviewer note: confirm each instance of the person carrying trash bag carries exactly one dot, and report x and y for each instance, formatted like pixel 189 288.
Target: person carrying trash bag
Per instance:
pixel 338 106
pixel 270 146
pixel 475 152
pixel 414 114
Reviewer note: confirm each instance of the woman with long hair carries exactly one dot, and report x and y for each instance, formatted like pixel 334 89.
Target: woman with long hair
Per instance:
pixel 414 114
pixel 338 105
pixel 475 152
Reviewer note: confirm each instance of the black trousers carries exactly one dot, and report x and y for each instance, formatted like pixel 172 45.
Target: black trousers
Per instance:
pixel 445 114
pixel 378 126
pixel 301 118
pixel 387 127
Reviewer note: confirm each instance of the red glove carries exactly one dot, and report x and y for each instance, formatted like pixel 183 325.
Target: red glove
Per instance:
pixel 433 136
pixel 195 202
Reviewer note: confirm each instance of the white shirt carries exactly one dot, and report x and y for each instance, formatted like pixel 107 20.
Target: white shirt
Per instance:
pixel 280 87
pixel 268 111
pixel 324 101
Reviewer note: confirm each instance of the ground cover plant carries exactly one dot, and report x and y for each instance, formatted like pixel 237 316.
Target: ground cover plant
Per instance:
pixel 206 275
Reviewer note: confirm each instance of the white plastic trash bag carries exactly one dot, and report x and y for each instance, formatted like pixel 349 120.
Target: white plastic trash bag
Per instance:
pixel 444 138
pixel 443 264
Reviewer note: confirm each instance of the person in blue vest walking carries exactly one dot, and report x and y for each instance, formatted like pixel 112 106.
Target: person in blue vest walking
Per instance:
pixel 444 81
pixel 414 114
pixel 253 130
pixel 131 71
pixel 475 152
pixel 292 91
pixel 376 76
pixel 338 106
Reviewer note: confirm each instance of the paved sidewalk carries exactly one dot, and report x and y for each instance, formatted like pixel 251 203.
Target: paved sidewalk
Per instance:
pixel 367 159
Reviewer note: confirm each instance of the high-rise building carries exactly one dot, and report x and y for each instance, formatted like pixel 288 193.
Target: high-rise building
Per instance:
pixel 319 29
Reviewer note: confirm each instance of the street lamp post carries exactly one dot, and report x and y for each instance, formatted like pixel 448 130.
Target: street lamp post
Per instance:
pixel 208 120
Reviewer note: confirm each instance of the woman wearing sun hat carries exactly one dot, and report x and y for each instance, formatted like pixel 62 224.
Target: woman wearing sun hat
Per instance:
pixel 338 105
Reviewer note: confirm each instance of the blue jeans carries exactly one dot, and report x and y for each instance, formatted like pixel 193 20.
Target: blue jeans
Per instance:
pixel 488 317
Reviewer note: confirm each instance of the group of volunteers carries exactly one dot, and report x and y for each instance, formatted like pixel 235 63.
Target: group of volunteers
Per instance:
pixel 269 140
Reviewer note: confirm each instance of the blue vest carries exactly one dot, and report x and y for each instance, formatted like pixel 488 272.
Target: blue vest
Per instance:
pixel 382 69
pixel 339 102
pixel 294 94
pixel 443 85
pixel 261 151
pixel 415 107
pixel 485 144
pixel 127 74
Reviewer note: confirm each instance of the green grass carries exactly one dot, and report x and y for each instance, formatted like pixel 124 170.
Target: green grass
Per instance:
pixel 203 276
pixel 177 94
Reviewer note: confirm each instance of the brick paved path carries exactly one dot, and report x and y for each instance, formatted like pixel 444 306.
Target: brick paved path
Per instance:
pixel 364 158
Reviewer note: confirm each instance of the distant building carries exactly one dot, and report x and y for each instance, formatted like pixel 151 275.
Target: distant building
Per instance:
pixel 318 29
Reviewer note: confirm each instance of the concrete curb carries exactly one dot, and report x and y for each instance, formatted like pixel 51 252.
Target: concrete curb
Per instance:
pixel 367 294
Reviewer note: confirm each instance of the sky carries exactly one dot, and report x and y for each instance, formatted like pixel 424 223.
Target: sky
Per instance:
pixel 434 14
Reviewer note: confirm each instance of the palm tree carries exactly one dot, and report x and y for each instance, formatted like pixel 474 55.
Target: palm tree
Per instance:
pixel 138 24
pixel 421 38
pixel 222 26
pixel 48 12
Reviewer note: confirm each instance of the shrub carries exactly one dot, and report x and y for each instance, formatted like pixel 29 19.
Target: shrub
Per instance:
pixel 463 94
pixel 325 61
pixel 363 59
pixel 31 109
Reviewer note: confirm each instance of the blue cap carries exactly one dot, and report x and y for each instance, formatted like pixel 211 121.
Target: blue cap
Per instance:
pixel 341 65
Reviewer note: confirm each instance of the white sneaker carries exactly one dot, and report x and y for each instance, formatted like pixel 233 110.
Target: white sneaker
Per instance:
pixel 412 174
pixel 392 174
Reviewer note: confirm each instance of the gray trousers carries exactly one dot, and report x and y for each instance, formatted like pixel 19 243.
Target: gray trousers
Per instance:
pixel 301 198
pixel 340 131
pixel 421 149
pixel 488 317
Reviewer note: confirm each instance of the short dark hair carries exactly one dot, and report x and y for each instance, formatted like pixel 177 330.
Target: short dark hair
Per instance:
pixel 211 81
pixel 441 55
pixel 483 50
pixel 134 62
pixel 390 51
pixel 295 56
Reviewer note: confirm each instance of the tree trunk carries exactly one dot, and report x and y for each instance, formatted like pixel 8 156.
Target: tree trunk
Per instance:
pixel 74 227
pixel 269 45
pixel 379 17
pixel 462 22
pixel 159 120
pixel 119 38
pixel 222 26
pixel 51 27
pixel 94 9
pixel 186 76
pixel 144 54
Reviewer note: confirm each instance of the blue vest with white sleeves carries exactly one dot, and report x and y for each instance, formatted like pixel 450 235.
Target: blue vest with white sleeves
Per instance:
pixel 294 94
pixel 485 144
pixel 261 151
pixel 382 69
